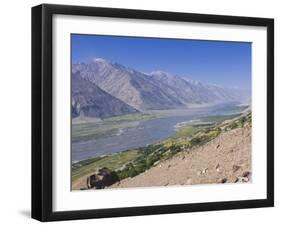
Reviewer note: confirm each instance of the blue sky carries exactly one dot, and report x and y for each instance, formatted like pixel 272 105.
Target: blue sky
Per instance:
pixel 217 62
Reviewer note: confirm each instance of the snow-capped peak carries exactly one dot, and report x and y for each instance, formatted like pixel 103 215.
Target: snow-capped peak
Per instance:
pixel 100 60
pixel 163 74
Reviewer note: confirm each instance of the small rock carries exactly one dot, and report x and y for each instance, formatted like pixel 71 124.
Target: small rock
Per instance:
pixel 188 181
pixel 241 162
pixel 156 163
pixel 241 179
pixel 224 180
pixel 218 167
pixel 246 174
pixel 235 168
pixel 244 179
pixel 205 170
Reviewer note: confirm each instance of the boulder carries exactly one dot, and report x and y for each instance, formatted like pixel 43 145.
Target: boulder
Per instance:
pixel 101 179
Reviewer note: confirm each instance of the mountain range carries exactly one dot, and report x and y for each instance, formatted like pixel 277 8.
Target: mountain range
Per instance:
pixel 103 89
pixel 91 101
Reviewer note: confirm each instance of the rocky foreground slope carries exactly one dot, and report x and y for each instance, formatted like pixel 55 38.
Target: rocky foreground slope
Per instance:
pixel 225 159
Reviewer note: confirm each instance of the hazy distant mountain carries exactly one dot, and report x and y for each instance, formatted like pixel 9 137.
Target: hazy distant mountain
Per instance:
pixel 91 101
pixel 157 90
pixel 190 91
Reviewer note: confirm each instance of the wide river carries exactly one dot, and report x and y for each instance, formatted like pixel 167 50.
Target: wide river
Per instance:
pixel 145 132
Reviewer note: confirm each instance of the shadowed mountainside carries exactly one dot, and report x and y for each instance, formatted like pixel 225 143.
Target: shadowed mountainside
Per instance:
pixel 91 101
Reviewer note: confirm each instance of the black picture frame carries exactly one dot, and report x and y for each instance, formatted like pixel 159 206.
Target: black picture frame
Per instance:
pixel 42 196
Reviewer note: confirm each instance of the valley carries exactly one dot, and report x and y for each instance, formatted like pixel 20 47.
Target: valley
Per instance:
pixel 124 122
pixel 132 162
pixel 132 131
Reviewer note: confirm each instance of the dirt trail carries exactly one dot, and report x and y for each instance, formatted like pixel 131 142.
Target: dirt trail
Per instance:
pixel 226 159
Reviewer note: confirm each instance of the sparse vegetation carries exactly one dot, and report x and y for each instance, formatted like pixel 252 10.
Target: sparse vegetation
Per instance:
pixel 187 131
pixel 112 162
pixel 239 122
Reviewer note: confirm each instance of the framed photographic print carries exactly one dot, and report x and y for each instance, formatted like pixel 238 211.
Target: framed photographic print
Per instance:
pixel 146 112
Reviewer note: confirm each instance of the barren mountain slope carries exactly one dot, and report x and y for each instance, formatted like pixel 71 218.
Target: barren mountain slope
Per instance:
pixel 132 87
pixel 91 101
pixel 158 90
pixel 226 159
